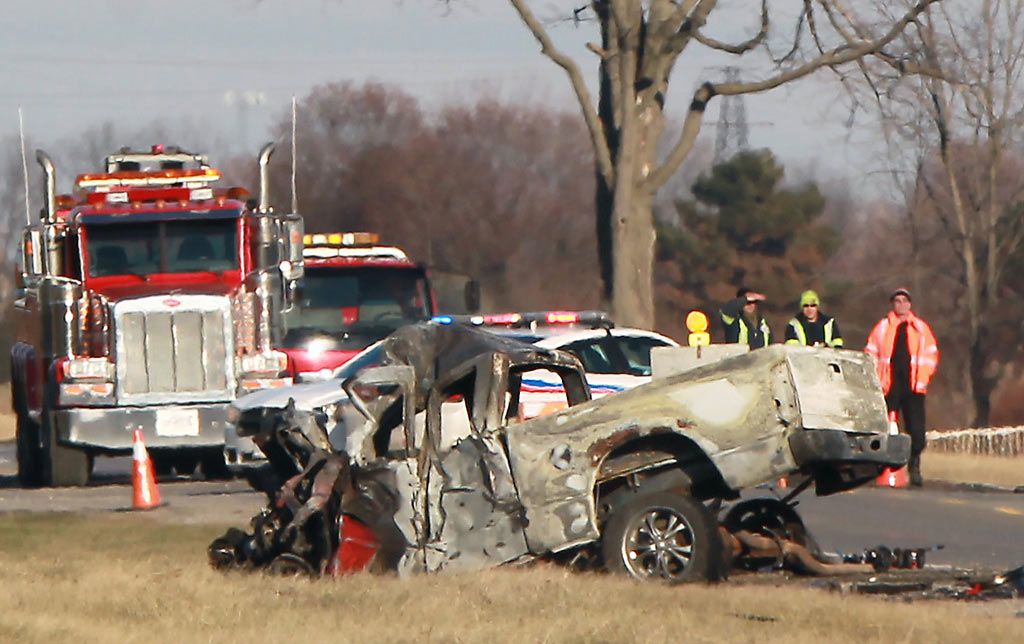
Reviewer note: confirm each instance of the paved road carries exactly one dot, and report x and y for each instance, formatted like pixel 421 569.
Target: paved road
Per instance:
pixel 978 529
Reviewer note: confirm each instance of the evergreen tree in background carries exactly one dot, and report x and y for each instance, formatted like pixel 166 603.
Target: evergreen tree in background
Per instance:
pixel 744 229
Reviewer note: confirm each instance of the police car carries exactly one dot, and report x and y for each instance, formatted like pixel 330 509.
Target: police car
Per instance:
pixel 615 358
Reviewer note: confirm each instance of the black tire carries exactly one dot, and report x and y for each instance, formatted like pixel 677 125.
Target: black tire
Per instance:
pixel 168 461
pixel 30 457
pixel 290 565
pixel 185 462
pixel 213 465
pixel 163 462
pixel 64 466
pixel 772 518
pixel 664 537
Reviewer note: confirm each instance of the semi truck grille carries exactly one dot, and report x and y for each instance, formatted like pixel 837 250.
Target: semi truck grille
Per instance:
pixel 176 348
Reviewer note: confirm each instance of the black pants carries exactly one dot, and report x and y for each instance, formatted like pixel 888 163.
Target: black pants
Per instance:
pixel 910 407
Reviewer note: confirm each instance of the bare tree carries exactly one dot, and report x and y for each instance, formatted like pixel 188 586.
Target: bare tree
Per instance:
pixel 640 44
pixel 956 130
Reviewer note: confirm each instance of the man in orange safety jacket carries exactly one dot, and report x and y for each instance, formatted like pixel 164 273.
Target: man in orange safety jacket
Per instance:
pixel 906 356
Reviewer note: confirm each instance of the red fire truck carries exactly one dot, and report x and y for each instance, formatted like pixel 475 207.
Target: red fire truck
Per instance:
pixel 354 292
pixel 150 300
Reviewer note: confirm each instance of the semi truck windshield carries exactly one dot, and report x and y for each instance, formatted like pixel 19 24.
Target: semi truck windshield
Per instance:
pixel 169 246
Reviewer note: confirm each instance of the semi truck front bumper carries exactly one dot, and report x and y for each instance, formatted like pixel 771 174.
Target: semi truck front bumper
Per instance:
pixel 110 428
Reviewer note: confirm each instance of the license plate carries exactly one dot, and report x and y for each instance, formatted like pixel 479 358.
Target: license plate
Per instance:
pixel 177 422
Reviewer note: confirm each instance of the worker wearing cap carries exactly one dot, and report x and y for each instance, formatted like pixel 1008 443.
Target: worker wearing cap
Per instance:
pixel 811 327
pixel 906 356
pixel 743 321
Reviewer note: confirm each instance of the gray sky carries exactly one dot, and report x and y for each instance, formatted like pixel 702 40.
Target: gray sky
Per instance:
pixel 232 65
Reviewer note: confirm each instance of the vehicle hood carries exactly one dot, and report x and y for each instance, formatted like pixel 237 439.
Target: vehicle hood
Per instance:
pixel 130 287
pixel 307 396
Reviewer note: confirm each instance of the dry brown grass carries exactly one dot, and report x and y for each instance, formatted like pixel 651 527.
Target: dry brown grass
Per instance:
pixel 129 578
pixel 969 468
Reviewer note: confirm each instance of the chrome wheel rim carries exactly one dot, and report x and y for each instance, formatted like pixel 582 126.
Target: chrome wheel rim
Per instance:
pixel 658 545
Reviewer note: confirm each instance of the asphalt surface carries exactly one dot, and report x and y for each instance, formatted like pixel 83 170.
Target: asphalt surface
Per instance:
pixel 978 529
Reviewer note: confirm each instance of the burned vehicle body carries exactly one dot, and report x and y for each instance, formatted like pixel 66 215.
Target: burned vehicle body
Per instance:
pixel 622 481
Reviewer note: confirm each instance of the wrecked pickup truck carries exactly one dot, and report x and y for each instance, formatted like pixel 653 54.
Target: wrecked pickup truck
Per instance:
pixel 629 482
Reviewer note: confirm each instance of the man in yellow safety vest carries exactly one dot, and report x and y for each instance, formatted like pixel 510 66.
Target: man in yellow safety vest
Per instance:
pixel 811 327
pixel 743 321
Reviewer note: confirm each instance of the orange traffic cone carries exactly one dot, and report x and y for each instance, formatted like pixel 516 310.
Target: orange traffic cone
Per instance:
pixel 782 483
pixel 890 477
pixel 145 494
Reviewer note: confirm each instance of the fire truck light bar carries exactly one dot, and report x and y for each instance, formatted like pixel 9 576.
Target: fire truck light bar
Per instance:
pixel 141 179
pixel 373 252
pixel 341 239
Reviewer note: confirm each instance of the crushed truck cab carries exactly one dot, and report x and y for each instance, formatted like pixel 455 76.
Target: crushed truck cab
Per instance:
pixel 625 481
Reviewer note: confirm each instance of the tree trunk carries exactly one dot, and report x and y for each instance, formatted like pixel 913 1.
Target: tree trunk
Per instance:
pixel 633 289
pixel 981 383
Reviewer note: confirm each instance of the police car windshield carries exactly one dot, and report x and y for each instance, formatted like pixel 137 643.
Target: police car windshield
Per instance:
pixel 166 246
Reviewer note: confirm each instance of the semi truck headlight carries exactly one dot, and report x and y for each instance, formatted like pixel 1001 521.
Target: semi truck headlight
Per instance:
pixel 271 362
pixel 89 369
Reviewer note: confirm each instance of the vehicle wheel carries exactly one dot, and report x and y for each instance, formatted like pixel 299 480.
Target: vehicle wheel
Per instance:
pixel 663 537
pixel 65 466
pixel 290 565
pixel 772 518
pixel 213 465
pixel 30 458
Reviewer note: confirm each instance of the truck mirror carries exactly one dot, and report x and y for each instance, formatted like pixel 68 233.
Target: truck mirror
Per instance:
pixel 472 296
pixel 292 232
pixel 293 293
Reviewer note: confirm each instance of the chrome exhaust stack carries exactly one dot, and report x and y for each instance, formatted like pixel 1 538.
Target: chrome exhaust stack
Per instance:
pixel 50 194
pixel 265 152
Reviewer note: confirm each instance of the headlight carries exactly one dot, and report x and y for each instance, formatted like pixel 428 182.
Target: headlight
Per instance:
pixel 271 362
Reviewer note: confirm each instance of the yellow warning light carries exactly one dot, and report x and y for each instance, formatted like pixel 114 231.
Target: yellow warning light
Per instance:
pixel 699 339
pixel 696 322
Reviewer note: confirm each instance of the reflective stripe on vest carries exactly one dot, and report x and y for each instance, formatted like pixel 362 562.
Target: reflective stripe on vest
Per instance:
pixel 801 335
pixel 744 336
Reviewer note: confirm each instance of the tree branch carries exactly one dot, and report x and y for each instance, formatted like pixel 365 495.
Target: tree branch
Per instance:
pixel 597 135
pixel 740 48
pixel 707 91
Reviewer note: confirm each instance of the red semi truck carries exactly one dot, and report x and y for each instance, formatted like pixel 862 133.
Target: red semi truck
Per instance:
pixel 150 300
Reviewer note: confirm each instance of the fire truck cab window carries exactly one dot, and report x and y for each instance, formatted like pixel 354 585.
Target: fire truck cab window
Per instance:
pixel 363 296
pixel 173 246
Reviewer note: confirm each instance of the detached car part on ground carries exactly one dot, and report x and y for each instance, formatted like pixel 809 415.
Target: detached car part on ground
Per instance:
pixel 628 482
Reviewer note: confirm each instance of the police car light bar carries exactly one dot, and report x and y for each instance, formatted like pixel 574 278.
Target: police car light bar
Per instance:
pixel 533 319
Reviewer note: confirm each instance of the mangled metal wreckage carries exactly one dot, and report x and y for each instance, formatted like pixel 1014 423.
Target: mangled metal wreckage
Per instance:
pixel 438 473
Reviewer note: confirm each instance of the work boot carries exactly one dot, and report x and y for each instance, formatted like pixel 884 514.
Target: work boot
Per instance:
pixel 914 467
